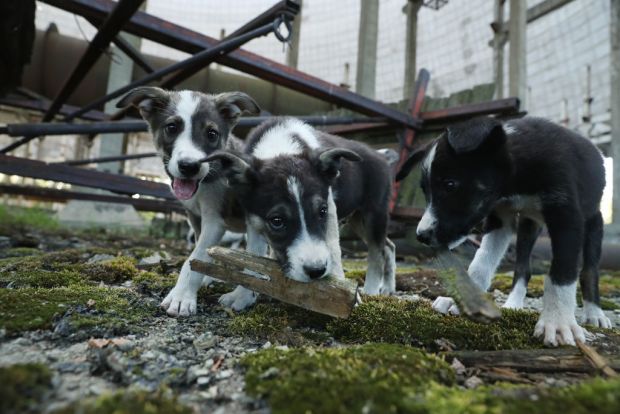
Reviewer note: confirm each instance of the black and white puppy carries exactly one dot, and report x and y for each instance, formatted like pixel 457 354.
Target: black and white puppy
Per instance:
pixel 533 170
pixel 295 183
pixel 188 126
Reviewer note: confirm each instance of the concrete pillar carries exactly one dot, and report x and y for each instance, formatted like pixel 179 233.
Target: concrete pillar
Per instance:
pixel 499 41
pixel 614 68
pixel 411 10
pixel 517 83
pixel 367 48
pixel 292 51
pixel 121 69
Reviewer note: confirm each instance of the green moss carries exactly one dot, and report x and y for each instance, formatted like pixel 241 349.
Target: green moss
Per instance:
pixel 21 252
pixel 387 319
pixel 609 284
pixel 130 402
pixel 279 322
pixel 115 270
pixel 600 396
pixel 151 282
pixel 381 378
pixel 103 309
pixel 535 288
pixel 64 268
pixel 14 218
pixel 368 378
pixel 22 386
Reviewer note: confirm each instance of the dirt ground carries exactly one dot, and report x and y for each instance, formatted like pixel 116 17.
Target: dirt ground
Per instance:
pixel 81 331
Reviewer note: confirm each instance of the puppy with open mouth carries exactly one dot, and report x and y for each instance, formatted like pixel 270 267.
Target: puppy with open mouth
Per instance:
pixel 187 127
pixel 295 183
pixel 527 171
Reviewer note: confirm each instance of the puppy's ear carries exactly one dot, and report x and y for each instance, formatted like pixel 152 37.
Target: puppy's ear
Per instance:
pixel 232 104
pixel 329 161
pixel 236 169
pixel 414 159
pixel 146 99
pixel 476 134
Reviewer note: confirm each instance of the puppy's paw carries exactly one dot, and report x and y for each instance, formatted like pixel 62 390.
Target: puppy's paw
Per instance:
pixel 446 305
pixel 559 329
pixel 387 290
pixel 513 303
pixel 594 315
pixel 179 302
pixel 239 299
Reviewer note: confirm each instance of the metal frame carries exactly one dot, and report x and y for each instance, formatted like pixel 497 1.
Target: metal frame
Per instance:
pixel 123 16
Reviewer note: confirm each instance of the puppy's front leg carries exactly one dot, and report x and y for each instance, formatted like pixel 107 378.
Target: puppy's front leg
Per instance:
pixel 482 269
pixel 181 301
pixel 242 298
pixel 557 323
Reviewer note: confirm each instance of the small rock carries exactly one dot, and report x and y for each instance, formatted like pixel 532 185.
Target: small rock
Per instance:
pixel 155 258
pixel 473 382
pixel 99 258
pixel 458 367
pixel 267 345
pixel 202 381
pixel 5 242
pixel 226 373
pixel 205 341
pixel 148 355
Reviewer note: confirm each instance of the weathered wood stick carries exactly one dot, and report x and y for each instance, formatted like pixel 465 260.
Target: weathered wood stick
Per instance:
pixel 472 301
pixel 532 360
pixel 597 360
pixel 330 296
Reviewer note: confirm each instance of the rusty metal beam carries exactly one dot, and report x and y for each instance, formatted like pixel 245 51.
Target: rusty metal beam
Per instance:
pixel 116 183
pixel 415 108
pixel 118 16
pixel 55 195
pixel 507 106
pixel 201 58
pixel 64 128
pixel 42 106
pixel 177 37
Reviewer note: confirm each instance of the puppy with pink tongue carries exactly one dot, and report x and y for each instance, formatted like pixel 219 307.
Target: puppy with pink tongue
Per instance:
pixel 187 127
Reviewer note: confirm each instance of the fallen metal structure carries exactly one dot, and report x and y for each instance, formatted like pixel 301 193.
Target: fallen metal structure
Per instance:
pixel 111 17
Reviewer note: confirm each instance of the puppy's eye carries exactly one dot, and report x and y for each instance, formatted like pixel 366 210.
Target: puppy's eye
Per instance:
pixel 213 135
pixel 171 128
pixel 276 222
pixel 323 211
pixel 449 185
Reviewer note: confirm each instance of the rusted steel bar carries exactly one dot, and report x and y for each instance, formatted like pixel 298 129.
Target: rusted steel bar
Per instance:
pixel 200 58
pixel 42 106
pixel 166 33
pixel 415 107
pixel 500 107
pixel 64 128
pixel 116 183
pixel 103 160
pixel 55 195
pixel 118 16
pixel 286 7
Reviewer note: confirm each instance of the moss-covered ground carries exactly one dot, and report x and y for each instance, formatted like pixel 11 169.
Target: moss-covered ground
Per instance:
pixel 386 357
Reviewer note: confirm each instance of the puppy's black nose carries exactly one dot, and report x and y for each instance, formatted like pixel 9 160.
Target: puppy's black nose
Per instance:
pixel 188 168
pixel 424 237
pixel 314 272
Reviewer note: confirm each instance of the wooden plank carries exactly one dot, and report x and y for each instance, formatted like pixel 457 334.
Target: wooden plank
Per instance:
pixel 329 296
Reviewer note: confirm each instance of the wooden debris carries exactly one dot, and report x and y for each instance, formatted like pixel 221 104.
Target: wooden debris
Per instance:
pixel 472 301
pixel 532 360
pixel 597 361
pixel 330 296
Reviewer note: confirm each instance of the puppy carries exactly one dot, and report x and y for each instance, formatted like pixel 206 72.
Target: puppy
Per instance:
pixel 483 170
pixel 295 182
pixel 188 126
